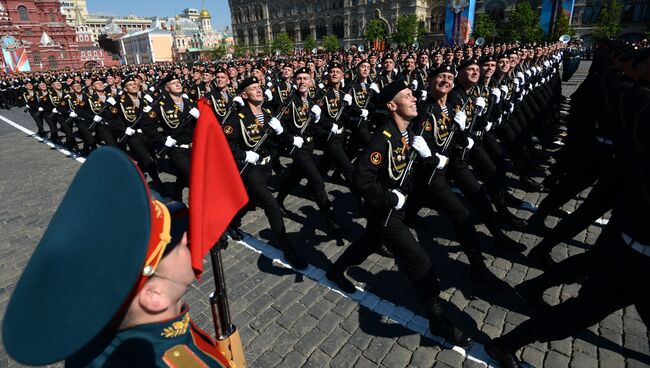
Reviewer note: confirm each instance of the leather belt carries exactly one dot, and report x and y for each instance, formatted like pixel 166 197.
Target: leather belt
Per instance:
pixel 606 141
pixel 639 247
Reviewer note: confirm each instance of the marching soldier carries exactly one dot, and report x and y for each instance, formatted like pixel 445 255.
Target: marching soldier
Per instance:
pixel 45 108
pixel 246 133
pixel 29 99
pixel 59 99
pixel 108 125
pixel 378 176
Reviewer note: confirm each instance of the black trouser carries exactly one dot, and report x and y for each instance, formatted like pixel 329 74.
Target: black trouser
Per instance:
pixel 439 196
pixel 303 166
pixel 66 126
pixel 335 152
pixel 578 177
pixel 359 138
pixel 618 277
pixel 86 134
pixel 259 195
pixel 180 163
pixel 409 254
pixel 110 132
pixel 139 149
pixel 519 155
pixel 38 118
pixel 51 122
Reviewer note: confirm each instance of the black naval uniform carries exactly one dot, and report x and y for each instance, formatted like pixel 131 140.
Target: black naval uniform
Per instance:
pixel 60 101
pixel 80 106
pixel 36 111
pixel 379 171
pixel 243 131
pixel 111 128
pixel 43 100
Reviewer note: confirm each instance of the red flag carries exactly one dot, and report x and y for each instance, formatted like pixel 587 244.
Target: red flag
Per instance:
pixel 216 189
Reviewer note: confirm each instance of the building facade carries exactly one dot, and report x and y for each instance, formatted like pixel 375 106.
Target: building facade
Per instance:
pixel 69 9
pixel 102 24
pixel 256 22
pixel 40 29
pixel 147 46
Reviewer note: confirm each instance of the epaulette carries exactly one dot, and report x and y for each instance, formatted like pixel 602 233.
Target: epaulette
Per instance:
pixel 387 133
pixel 241 115
pixel 161 103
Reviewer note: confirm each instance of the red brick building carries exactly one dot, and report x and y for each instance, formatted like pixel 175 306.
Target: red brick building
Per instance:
pixel 39 27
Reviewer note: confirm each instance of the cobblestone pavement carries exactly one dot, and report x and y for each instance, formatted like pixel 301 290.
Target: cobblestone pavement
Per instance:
pixel 292 319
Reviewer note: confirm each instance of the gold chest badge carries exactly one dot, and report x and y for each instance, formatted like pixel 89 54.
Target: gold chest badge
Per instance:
pixel 398 159
pixel 219 105
pixel 360 96
pixel 332 106
pixel 251 132
pixel 300 115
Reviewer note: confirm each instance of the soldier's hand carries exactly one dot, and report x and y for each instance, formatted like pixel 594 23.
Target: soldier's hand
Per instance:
pixel 111 101
pixel 374 87
pixel 298 141
pixel 238 100
pixel 496 93
pixel 460 118
pixel 195 113
pixel 170 142
pixel 423 95
pixel 129 131
pixel 97 118
pixel 335 129
pixel 480 102
pixel 73 114
pixel 148 98
pixel 420 145
pixel 40 109
pixel 276 126
pixel 252 157
pixel 442 161
pixel 401 199
pixel 269 95
pixel 55 111
pixel 414 85
pixel 146 109
pixel 505 90
pixel 488 126
pixel 364 113
pixel 470 143
pixel 321 85
pixel 347 99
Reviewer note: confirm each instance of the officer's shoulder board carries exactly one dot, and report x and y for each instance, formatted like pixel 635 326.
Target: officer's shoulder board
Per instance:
pixel 241 115
pixel 387 133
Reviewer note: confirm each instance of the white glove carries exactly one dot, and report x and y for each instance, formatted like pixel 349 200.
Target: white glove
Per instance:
pixel 73 114
pixel 55 111
pixel 148 98
pixel 499 119
pixel 185 96
pixel 129 131
pixel 470 143
pixel 531 87
pixel 335 129
pixel 152 88
pixel 298 141
pixel 252 157
pixel 111 101
pixel 27 106
pixel 342 83
pixel 316 110
pixel 460 118
pixel 497 93
pixel 364 113
pixel 414 84
pixel 442 161
pixel 269 95
pixel 512 107
pixel 420 145
pixel 170 142
pixel 480 102
pixel 195 113
pixel 321 85
pixel 374 87
pixel 488 126
pixel 347 99
pixel 276 126
pixel 505 90
pixel 401 199
pixel 238 100
pixel 269 84
pixel 529 73
pixel 97 118
pixel 423 96
pixel 40 108
pixel 520 75
pixel 146 109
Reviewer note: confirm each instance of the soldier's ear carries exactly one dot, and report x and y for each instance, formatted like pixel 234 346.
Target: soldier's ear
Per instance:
pixel 152 298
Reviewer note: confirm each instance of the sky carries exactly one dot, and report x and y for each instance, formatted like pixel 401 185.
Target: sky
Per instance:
pixel 163 8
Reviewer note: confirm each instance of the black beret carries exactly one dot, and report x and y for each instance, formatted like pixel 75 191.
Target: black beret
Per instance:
pixel 391 90
pixel 169 77
pixel 388 56
pixel 247 82
pixel 467 62
pixel 220 70
pixel 486 59
pixel 363 61
pixel 502 55
pixel 127 79
pixel 335 64
pixel 303 70
pixel 444 68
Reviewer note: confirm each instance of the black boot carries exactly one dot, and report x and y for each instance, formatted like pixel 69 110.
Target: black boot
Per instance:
pixel 529 185
pixel 337 276
pixel 480 274
pixel 290 254
pixel 235 234
pixel 440 325
pixel 532 293
pixel 536 223
pixel 334 227
pixel 382 250
pixel 540 256
pixel 502 241
pixel 505 357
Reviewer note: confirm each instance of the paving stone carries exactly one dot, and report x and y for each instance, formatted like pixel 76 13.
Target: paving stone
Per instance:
pixel 424 356
pixel 334 341
pixel 346 357
pixel 582 360
pixel 293 359
pixel 397 357
pixel 310 341
pixel 378 348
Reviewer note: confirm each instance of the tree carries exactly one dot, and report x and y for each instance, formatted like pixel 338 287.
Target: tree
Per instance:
pixel 283 43
pixel 331 43
pixel 522 25
pixel 218 52
pixel 310 43
pixel 484 27
pixel 267 45
pixel 562 26
pixel 240 49
pixel 609 20
pixel 375 30
pixel 406 30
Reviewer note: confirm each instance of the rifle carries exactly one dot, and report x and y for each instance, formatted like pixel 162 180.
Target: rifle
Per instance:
pixel 337 117
pixel 412 155
pixel 227 336
pixel 477 112
pixel 267 131
pixel 445 148
pixel 137 120
pixel 106 105
pixel 365 107
pixel 307 123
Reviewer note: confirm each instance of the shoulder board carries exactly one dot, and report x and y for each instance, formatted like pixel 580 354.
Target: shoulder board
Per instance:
pixel 387 134
pixel 182 356
pixel 161 103
pixel 241 115
pixel 267 111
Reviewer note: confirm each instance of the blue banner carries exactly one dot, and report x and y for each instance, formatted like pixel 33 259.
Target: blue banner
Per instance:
pixel 459 20
pixel 545 16
pixel 567 8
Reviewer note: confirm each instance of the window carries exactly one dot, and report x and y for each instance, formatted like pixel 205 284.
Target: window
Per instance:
pixel 22 12
pixel 36 56
pixel 52 61
pixel 83 53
